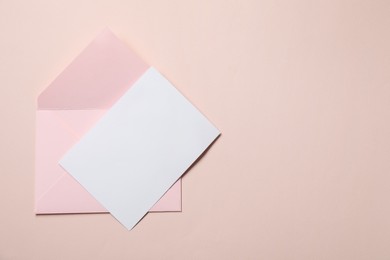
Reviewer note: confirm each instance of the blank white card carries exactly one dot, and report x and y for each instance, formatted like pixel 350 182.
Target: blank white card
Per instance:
pixel 140 148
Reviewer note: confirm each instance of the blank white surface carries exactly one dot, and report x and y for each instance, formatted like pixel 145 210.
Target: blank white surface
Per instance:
pixel 137 151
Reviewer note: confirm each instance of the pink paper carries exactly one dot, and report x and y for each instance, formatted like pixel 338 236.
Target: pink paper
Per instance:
pixel 96 78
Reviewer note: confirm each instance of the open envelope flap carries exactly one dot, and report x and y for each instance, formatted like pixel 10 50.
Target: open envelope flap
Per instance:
pixel 96 78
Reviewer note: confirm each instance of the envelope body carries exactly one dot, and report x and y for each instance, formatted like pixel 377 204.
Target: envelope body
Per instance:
pixel 71 105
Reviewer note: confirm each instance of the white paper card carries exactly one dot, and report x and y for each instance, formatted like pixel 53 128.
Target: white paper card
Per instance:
pixel 139 148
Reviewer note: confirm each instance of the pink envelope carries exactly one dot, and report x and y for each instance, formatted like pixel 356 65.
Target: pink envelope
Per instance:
pixel 68 108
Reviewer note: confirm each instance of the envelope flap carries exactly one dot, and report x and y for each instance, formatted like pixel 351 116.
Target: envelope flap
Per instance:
pixel 102 73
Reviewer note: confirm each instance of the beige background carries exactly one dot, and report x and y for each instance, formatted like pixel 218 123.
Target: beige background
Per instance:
pixel 300 90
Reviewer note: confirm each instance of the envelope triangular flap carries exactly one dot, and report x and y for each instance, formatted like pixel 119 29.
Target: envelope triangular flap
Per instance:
pixel 97 78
